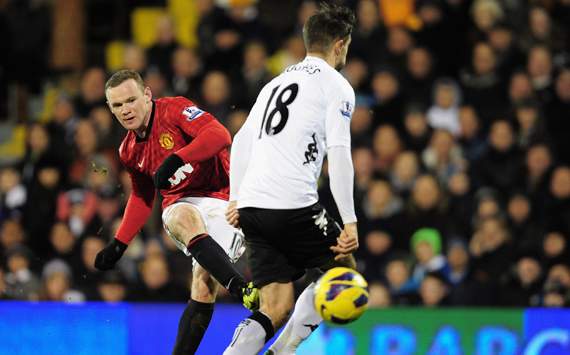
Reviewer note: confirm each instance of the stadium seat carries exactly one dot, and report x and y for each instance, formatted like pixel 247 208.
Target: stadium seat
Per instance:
pixel 186 18
pixel 114 54
pixel 143 25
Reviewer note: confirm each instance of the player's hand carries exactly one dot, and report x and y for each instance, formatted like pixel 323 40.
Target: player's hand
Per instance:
pixel 168 167
pixel 347 242
pixel 232 214
pixel 108 257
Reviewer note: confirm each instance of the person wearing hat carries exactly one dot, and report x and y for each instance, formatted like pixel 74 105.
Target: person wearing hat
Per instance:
pixel 426 246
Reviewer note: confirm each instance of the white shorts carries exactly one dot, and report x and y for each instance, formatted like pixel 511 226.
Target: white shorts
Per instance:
pixel 212 211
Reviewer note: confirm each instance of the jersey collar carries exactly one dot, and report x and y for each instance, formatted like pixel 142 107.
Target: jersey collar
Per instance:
pixel 310 57
pixel 149 127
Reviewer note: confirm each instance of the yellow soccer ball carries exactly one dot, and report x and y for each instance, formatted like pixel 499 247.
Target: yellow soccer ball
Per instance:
pixel 341 295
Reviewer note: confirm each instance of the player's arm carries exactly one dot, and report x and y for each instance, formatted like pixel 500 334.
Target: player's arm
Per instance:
pixel 137 211
pixel 341 171
pixel 239 158
pixel 209 138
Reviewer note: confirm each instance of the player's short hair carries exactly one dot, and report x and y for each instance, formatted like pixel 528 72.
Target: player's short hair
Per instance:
pixel 123 75
pixel 331 23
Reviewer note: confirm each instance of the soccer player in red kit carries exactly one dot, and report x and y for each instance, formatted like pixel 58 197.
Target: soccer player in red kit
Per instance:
pixel 175 147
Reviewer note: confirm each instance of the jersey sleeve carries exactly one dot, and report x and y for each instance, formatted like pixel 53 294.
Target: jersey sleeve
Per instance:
pixel 241 151
pixel 189 117
pixel 340 106
pixel 138 209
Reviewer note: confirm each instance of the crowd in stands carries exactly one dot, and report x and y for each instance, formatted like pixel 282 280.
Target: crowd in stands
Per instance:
pixel 460 137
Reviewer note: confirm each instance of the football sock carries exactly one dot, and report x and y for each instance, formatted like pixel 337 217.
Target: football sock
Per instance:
pixel 302 323
pixel 250 335
pixel 214 259
pixel 192 326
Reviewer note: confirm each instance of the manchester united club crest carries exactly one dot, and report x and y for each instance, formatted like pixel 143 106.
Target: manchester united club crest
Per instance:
pixel 166 141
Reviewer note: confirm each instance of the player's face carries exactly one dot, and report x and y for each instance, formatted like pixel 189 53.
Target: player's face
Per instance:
pixel 343 50
pixel 131 105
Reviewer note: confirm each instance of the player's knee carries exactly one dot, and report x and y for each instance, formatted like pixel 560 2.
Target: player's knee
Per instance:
pixel 185 223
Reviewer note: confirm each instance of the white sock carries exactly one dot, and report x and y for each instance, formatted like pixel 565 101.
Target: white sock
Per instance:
pixel 302 323
pixel 250 335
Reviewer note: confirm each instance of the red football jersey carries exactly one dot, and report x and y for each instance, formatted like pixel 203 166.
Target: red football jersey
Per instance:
pixel 173 124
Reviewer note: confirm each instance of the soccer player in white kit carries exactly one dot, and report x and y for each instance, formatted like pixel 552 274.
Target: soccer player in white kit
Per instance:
pixel 276 159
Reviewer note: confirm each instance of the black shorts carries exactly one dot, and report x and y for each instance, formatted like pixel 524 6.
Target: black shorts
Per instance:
pixel 282 244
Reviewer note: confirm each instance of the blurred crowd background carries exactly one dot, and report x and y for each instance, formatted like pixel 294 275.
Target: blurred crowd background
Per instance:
pixel 461 140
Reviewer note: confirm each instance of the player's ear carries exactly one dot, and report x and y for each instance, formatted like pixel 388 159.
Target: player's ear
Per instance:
pixel 148 93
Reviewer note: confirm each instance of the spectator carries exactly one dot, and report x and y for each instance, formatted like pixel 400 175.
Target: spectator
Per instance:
pixel 56 279
pixel 63 244
pixel 524 285
pixel 112 287
pixel 134 58
pixel 460 204
pixel 216 95
pixel 470 136
pixel 21 283
pixel 520 88
pixel 254 72
pixel 555 248
pixel 426 208
pixel 11 234
pixel 374 256
pixel 92 91
pixel 443 157
pixel 361 126
pixel 387 145
pixel 156 283
pixel 402 289
pixel 388 101
pixel 556 111
pixel 530 124
pixel 491 251
pixel 500 165
pixel 539 67
pixel 417 132
pixel 526 233
pixel 368 33
pixel 537 175
pixel 426 246
pixel 187 73
pixel 159 55
pixel 507 53
pixel 485 13
pixel 558 205
pixel 483 87
pixel 419 75
pixel 378 295
pixel 404 174
pixel 13 193
pixel 444 113
pixel 434 290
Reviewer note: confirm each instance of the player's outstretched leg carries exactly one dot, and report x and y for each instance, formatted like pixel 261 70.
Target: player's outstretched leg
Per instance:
pixel 185 225
pixel 197 314
pixel 305 318
pixel 253 332
pixel 302 323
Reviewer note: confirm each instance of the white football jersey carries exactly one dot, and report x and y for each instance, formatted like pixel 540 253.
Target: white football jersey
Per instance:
pixel 296 118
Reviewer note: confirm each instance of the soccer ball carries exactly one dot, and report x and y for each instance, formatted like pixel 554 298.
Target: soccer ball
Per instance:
pixel 341 295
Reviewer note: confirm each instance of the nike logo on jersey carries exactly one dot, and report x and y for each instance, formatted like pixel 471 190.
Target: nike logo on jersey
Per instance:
pixel 140 164
pixel 192 112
